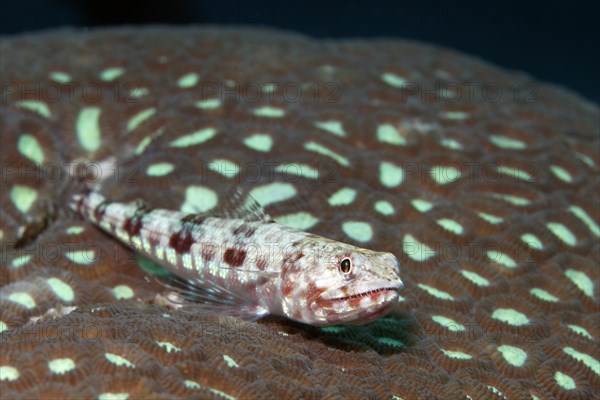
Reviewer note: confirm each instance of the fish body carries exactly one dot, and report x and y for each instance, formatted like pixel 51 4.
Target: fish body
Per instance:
pixel 254 263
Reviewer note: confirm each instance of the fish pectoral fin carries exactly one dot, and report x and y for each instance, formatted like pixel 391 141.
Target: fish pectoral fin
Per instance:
pixel 211 298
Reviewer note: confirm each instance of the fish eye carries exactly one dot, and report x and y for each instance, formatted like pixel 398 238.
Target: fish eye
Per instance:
pixel 346 265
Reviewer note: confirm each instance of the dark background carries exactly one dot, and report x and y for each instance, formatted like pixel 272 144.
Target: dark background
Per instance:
pixel 554 41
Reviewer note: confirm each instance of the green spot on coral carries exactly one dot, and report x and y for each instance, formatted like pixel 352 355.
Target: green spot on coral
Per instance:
pixel 269 87
pixel 60 77
pixel 501 258
pixel 273 193
pixel 532 241
pixel 577 329
pixel 269 112
pixel 588 360
pixel 320 149
pixel 562 232
pixel 301 220
pixel 387 133
pixel 74 230
pixel 30 147
pixel 113 396
pixel 506 142
pixel 421 205
pixel 199 199
pixel 298 170
pixel 122 292
pixel 384 207
pixel 510 316
pixel 342 197
pixel 19 261
pixel 208 104
pixel 440 294
pixel 515 173
pixel 587 160
pixel 194 138
pixel 23 197
pixel 454 115
pixel 390 175
pixel 112 73
pixel 160 169
pixel 145 142
pixel 449 323
pixel 138 92
pixel 221 394
pixel 61 289
pixel 259 142
pixel 36 106
pixel 543 295
pixel 8 373
pixel 23 299
pixel 516 200
pixel 84 257
pixel 118 360
pixel 513 355
pixel 140 117
pixel 224 167
pixel 475 278
pixel 415 249
pixel 492 219
pixel 582 281
pixel 334 127
pixel 451 144
pixel 444 174
pixel 390 342
pixel 358 230
pixel 88 128
pixel 60 366
pixel 230 361
pixel 584 216
pixel 188 80
pixel 457 354
pixel 450 225
pixel 3 327
pixel 561 173
pixel 191 384
pixel 168 346
pixel 393 80
pixel 564 381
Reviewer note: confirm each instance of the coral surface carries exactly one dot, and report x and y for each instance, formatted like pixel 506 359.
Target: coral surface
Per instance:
pixel 484 183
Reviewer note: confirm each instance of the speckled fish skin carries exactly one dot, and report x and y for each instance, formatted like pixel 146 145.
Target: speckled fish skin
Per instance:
pixel 264 266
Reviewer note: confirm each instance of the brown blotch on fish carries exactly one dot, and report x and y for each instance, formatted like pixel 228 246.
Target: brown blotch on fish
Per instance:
pixel 261 263
pixel 133 225
pixel 181 241
pixel 234 257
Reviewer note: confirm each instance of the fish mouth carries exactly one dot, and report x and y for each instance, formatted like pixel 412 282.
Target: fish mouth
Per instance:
pixel 364 294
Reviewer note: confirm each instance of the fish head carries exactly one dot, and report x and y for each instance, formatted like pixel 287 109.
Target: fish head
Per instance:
pixel 341 284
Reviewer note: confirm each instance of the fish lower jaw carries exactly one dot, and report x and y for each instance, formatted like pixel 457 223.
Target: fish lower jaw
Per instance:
pixel 364 294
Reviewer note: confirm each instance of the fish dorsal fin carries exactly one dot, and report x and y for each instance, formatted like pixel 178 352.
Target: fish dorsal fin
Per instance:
pixel 239 204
